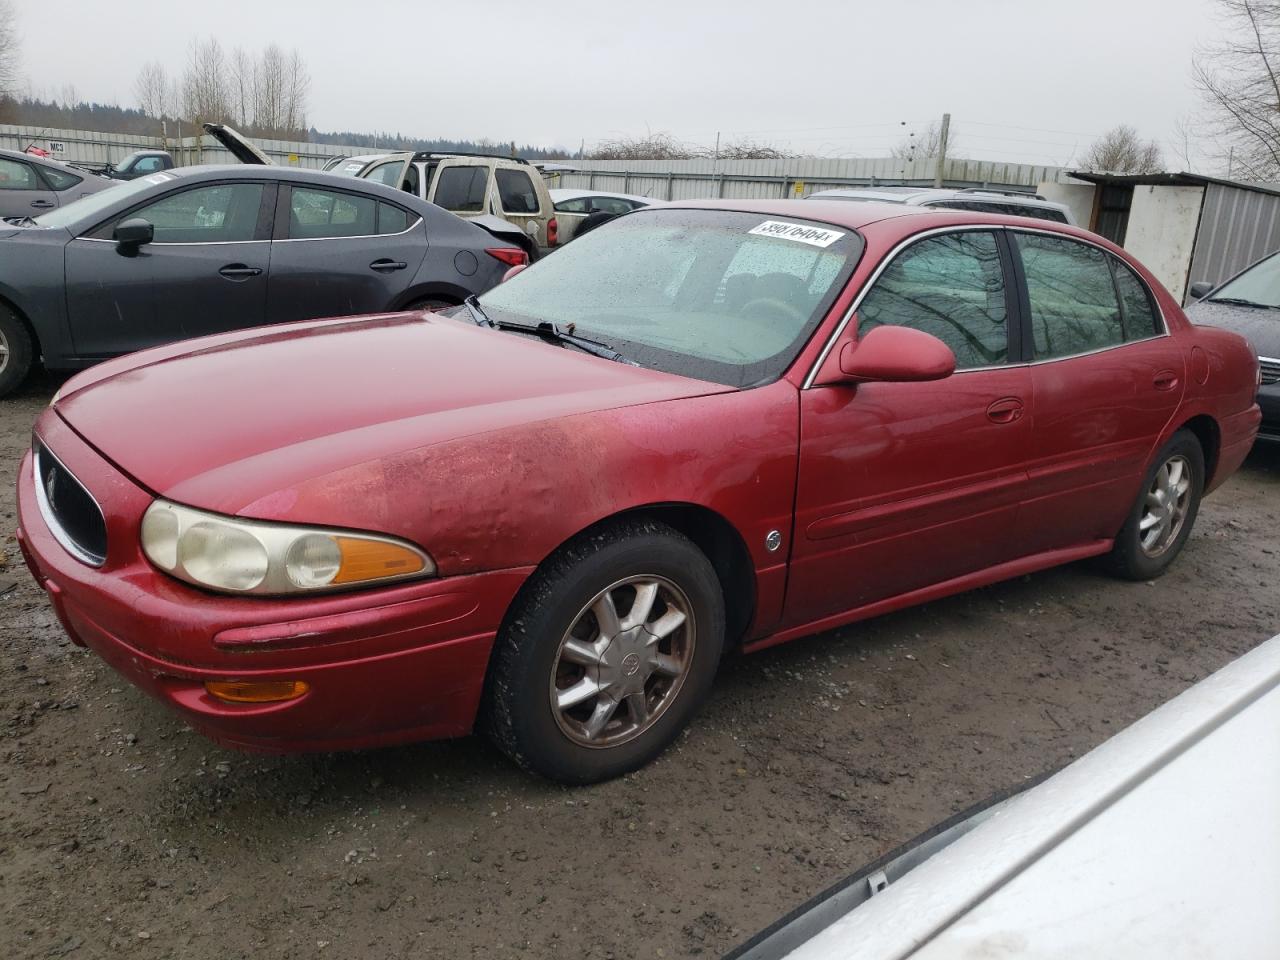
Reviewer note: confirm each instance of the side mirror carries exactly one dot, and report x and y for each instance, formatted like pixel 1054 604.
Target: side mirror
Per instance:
pixel 1200 289
pixel 519 267
pixel 134 232
pixel 896 355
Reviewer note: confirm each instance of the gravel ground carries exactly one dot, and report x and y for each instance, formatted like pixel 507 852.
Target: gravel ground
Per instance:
pixel 122 832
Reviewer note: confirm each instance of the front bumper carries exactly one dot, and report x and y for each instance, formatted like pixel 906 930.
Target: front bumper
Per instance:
pixel 1269 402
pixel 389 665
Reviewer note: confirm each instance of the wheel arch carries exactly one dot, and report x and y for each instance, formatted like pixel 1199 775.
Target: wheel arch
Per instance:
pixel 436 290
pixel 37 349
pixel 1206 430
pixel 713 534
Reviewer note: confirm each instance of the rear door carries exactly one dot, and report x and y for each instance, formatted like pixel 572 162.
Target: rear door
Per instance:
pixel 338 252
pixel 22 192
pixel 904 485
pixel 1106 380
pixel 205 272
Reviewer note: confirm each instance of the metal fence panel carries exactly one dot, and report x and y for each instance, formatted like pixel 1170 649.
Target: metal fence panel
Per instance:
pixel 1237 227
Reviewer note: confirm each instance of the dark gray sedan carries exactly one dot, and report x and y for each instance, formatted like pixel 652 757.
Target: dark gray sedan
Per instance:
pixel 1249 304
pixel 202 250
pixel 30 186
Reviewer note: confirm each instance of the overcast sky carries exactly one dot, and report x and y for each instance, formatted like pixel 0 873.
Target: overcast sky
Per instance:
pixel 1025 80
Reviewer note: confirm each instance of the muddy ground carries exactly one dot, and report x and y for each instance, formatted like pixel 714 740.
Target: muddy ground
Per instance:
pixel 123 833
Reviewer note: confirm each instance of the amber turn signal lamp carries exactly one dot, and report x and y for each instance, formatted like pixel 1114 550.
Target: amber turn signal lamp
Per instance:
pixel 374 560
pixel 256 691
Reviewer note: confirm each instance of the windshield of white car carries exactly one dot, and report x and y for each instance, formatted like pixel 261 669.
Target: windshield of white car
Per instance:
pixel 1259 286
pixel 87 208
pixel 722 296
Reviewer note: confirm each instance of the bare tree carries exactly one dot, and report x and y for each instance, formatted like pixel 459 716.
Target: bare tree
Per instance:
pixel 154 90
pixel 296 90
pixel 244 72
pixel 1240 87
pixel 206 83
pixel 9 49
pixel 926 145
pixel 753 150
pixel 1121 150
pixel 664 146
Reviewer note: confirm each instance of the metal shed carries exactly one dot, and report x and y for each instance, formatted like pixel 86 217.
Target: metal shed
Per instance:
pixel 1184 226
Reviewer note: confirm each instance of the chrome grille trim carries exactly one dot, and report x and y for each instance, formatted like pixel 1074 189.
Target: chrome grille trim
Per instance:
pixel 1270 370
pixel 38 452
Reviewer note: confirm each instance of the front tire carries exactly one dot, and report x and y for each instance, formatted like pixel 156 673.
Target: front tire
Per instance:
pixel 1164 513
pixel 606 654
pixel 15 351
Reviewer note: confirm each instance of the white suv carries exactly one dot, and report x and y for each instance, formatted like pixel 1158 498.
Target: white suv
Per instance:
pixel 983 200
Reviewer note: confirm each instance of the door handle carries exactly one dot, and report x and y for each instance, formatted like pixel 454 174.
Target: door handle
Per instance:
pixel 1165 380
pixel 239 271
pixel 1005 411
pixel 387 265
pixel 43 204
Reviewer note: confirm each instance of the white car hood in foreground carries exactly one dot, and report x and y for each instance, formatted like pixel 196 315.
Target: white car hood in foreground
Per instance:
pixel 1164 842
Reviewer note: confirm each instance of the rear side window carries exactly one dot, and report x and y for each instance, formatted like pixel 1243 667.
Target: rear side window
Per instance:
pixel 1140 317
pixel 461 189
pixel 1074 308
pixel 610 205
pixel 60 179
pixel 16 175
pixel 952 287
pixel 391 219
pixel 317 214
pixel 517 193
pixel 227 213
pixel 576 205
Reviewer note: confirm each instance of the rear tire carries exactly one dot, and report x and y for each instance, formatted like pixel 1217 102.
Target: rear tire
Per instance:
pixel 606 654
pixel 1164 513
pixel 15 351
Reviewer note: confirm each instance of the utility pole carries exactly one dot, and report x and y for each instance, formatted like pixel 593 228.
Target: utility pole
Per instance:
pixel 717 157
pixel 942 150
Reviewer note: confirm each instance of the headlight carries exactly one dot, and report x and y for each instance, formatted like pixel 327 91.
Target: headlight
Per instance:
pixel 252 556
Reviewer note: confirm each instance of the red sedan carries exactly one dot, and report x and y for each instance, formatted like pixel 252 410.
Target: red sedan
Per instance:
pixel 552 512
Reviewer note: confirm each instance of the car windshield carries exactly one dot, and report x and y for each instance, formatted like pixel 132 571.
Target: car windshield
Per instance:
pixel 722 296
pixel 1259 284
pixel 88 207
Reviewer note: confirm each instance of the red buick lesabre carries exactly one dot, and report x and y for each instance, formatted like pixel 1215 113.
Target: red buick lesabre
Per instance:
pixel 551 513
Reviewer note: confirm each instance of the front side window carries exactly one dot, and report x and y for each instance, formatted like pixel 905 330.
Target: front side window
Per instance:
pixel 1074 308
pixel 576 205
pixel 461 189
pixel 691 292
pixel 610 205
pixel 386 173
pixel 148 165
pixel 327 214
pixel 16 175
pixel 60 179
pixel 951 286
pixel 226 213
pixel 516 190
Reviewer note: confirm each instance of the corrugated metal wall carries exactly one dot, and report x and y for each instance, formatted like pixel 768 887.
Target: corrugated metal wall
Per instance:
pixel 87 146
pixel 754 179
pixel 1237 227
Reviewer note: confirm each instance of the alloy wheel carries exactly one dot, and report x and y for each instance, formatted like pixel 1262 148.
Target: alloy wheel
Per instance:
pixel 1164 510
pixel 623 660
pixel 4 351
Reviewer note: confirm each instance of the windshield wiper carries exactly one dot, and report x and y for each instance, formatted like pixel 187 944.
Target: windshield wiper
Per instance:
pixel 477 312
pixel 20 221
pixel 549 331
pixel 1241 302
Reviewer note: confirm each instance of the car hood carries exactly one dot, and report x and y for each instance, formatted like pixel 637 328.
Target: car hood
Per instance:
pixel 1260 327
pixel 222 422
pixel 239 147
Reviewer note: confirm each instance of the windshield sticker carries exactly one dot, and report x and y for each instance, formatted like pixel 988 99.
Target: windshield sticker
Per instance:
pixel 814 236
pixel 159 178
pixel 353 167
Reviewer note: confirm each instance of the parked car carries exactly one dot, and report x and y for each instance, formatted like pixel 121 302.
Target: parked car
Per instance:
pixel 470 185
pixel 581 211
pixel 30 185
pixel 1107 858
pixel 979 200
pixel 200 250
pixel 1249 304
pixel 140 163
pixel 551 512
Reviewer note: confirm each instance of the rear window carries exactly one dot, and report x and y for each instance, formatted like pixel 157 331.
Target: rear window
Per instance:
pixel 461 189
pixel 517 192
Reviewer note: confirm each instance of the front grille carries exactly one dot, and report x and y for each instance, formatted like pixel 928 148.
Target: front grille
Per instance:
pixel 1270 369
pixel 72 514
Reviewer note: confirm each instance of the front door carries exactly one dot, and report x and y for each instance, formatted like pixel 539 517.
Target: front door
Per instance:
pixel 1105 382
pixel 205 272
pixel 903 485
pixel 339 253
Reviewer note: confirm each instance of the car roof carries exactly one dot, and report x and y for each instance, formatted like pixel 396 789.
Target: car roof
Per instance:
pixel 917 195
pixel 564 193
pixel 32 158
pixel 835 212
